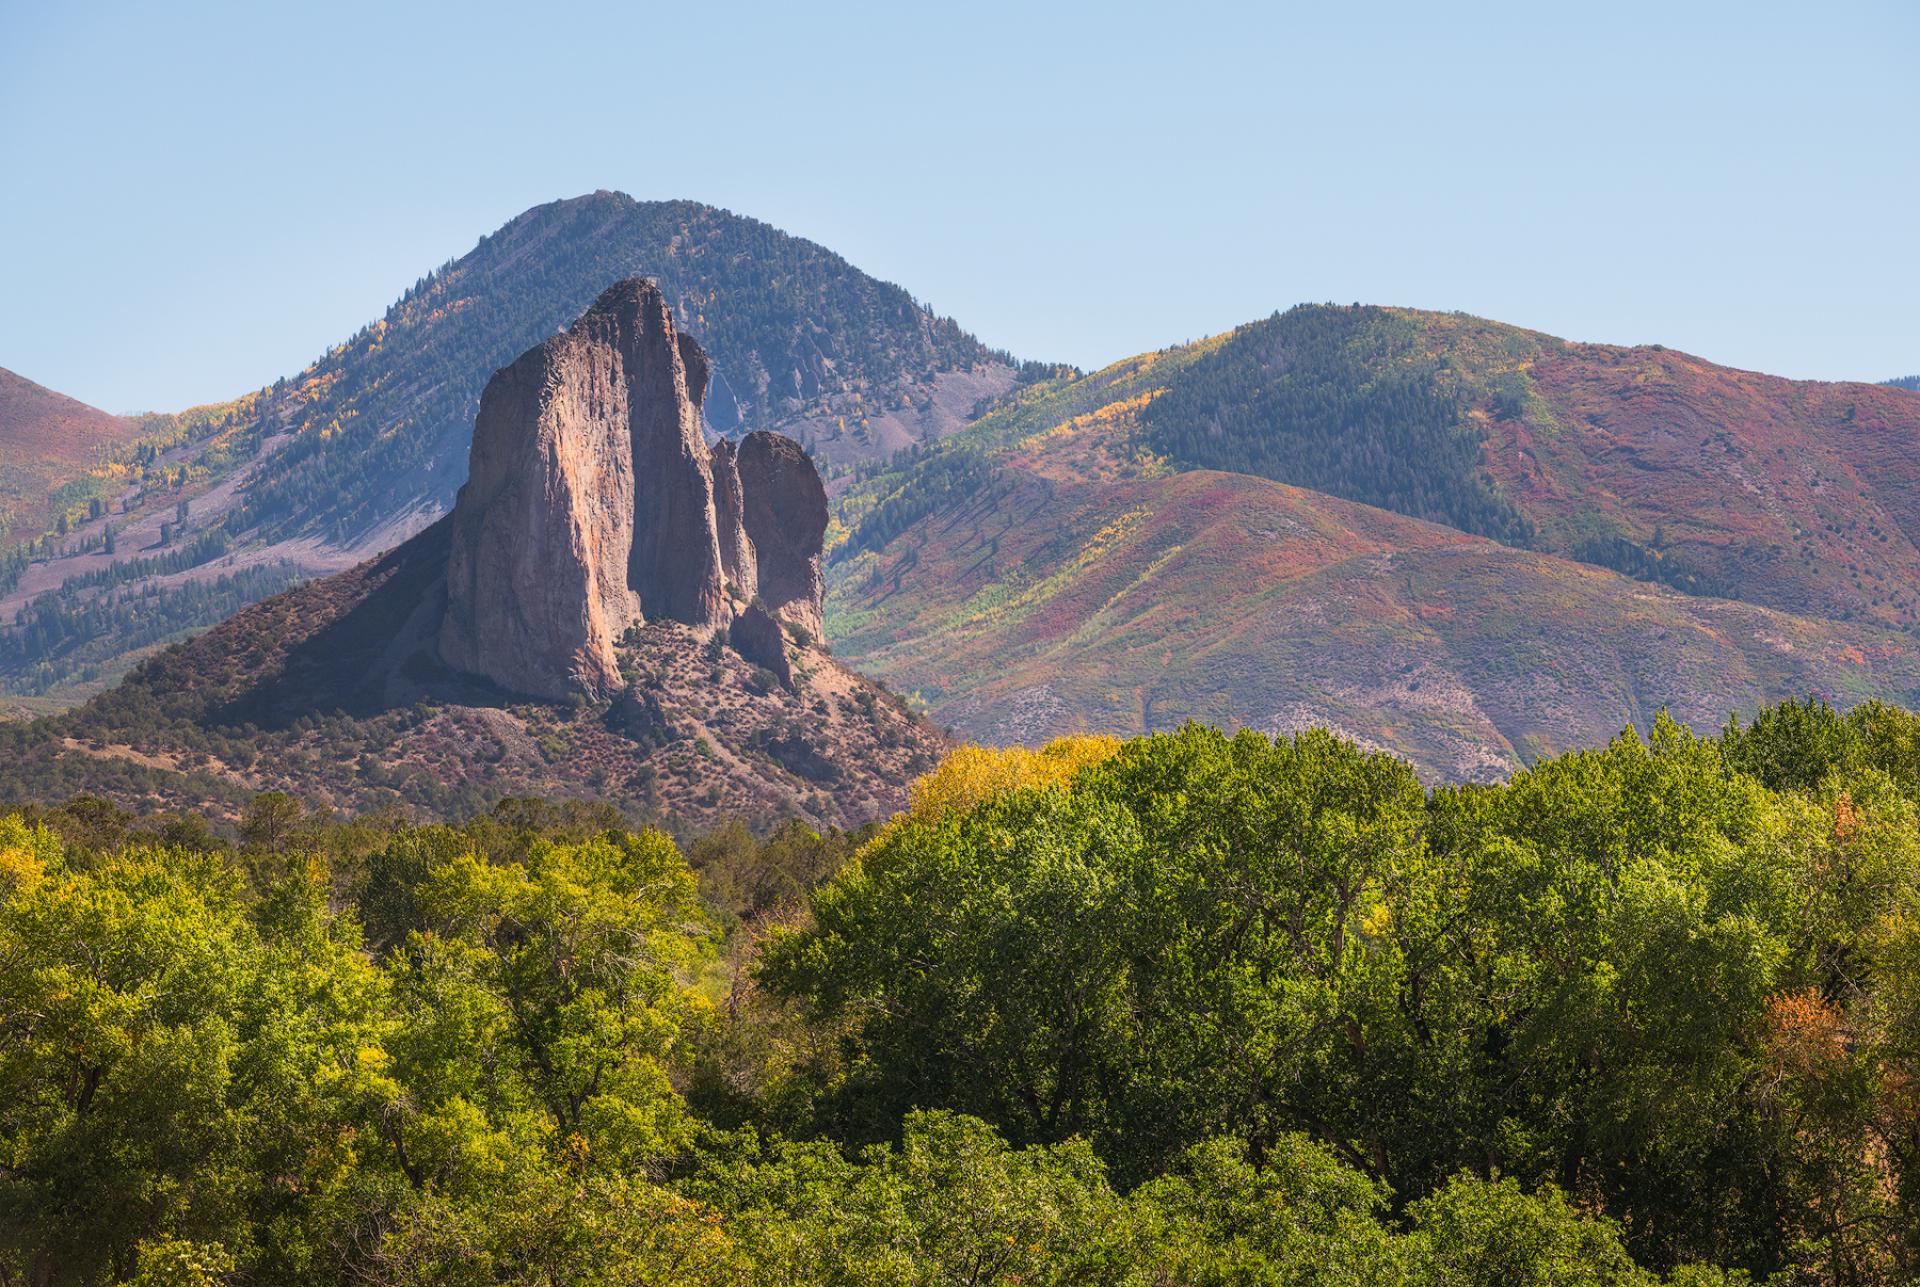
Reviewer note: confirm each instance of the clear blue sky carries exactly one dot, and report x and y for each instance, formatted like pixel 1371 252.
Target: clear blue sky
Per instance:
pixel 200 197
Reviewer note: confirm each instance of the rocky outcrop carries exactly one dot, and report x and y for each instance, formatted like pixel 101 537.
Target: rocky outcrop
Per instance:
pixel 593 504
pixel 785 517
pixel 675 562
pixel 757 636
pixel 537 574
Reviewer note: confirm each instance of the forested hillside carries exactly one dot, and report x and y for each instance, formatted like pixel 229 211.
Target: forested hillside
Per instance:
pixel 1348 401
pixel 1049 570
pixel 1793 494
pixel 369 443
pixel 1189 1011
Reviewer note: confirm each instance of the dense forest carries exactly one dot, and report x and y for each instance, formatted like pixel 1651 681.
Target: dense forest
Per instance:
pixel 1198 1008
pixel 1340 400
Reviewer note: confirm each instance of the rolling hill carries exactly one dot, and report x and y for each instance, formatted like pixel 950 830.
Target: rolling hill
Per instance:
pixel 367 445
pixel 1067 564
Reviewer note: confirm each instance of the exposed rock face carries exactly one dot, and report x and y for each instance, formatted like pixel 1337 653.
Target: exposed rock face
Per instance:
pixel 675 561
pixel 736 552
pixel 786 520
pixel 537 576
pixel 593 504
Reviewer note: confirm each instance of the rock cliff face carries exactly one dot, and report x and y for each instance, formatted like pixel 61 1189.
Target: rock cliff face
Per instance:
pixel 785 518
pixel 736 554
pixel 593 504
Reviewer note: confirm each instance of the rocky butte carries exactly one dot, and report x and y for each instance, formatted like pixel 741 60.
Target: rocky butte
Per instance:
pixel 594 505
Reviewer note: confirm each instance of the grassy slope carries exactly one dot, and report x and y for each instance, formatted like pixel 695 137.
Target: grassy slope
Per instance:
pixel 47 440
pixel 1088 584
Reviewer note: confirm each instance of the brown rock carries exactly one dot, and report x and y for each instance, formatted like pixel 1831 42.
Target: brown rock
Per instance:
pixel 594 504
pixel 785 517
pixel 758 637
pixel 537 572
pixel 736 552
pixel 675 567
pixel 588 503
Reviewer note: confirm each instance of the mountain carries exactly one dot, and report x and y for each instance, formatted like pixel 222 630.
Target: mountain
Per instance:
pixel 369 444
pixel 1065 565
pixel 613 608
pixel 799 340
pixel 1794 494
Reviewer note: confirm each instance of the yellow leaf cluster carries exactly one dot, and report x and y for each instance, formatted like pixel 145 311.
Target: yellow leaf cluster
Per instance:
pixel 1100 418
pixel 19 869
pixel 974 774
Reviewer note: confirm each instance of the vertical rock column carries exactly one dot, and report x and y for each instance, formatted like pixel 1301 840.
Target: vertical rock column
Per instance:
pixel 588 505
pixel 785 517
pixel 593 503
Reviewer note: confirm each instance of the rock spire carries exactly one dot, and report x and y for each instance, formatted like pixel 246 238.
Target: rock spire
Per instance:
pixel 593 503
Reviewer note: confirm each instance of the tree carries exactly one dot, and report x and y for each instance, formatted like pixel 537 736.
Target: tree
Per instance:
pixel 1144 956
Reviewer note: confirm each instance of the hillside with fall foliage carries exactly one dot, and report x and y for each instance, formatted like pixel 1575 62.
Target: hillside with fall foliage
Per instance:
pixel 1113 553
pixel 46 441
pixel 1799 495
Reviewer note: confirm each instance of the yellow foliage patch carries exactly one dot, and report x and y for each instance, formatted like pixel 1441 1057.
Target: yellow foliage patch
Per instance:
pixel 20 868
pixel 1104 417
pixel 974 774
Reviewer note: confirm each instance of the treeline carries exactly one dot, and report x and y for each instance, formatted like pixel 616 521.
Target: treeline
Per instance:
pixel 1191 1009
pixel 209 544
pixel 1339 400
pixel 70 635
pixel 938 476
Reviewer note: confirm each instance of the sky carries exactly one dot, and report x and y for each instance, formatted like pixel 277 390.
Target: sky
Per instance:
pixel 201 197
